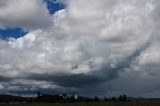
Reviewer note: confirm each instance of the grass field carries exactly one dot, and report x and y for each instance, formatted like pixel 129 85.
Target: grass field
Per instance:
pixel 88 104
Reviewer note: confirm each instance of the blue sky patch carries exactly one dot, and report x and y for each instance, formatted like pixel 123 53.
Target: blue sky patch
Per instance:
pixel 54 6
pixel 15 33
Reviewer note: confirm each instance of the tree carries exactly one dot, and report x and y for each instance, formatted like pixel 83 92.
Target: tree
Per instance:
pixel 124 98
pixel 105 98
pixel 120 98
pixel 39 94
pixel 113 99
pixel 96 98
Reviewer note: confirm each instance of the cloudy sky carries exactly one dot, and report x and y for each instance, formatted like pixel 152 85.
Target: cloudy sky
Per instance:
pixel 90 47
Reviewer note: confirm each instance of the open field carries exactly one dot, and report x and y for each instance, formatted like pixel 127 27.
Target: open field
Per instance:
pixel 148 103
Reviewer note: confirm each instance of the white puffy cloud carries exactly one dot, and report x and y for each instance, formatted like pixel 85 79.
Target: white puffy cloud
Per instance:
pixel 27 14
pixel 99 44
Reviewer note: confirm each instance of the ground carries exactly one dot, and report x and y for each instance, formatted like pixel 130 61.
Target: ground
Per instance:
pixel 147 103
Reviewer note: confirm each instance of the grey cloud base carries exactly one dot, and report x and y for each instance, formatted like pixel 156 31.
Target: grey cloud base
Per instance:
pixel 105 48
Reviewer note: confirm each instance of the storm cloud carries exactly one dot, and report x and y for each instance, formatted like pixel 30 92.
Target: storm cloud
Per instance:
pixel 92 47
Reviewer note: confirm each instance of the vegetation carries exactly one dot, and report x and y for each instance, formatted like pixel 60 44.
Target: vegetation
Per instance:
pixel 75 100
pixel 140 103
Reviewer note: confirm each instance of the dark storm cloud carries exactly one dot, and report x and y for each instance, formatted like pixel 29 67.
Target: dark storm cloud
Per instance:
pixel 74 80
pixel 5 79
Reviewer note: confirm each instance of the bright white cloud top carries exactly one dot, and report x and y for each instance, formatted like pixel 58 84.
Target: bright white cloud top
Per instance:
pixel 111 46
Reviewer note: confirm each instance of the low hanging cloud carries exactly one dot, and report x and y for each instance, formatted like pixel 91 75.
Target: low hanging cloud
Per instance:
pixel 109 46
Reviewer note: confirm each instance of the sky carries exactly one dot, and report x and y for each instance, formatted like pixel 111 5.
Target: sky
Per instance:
pixel 89 47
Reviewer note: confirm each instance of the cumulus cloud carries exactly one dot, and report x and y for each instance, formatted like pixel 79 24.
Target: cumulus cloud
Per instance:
pixel 27 14
pixel 109 46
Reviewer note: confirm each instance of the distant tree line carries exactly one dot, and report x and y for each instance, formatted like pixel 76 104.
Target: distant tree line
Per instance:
pixel 121 98
pixel 41 97
pixel 76 98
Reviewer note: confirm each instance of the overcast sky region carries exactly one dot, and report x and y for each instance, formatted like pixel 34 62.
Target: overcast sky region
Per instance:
pixel 90 47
